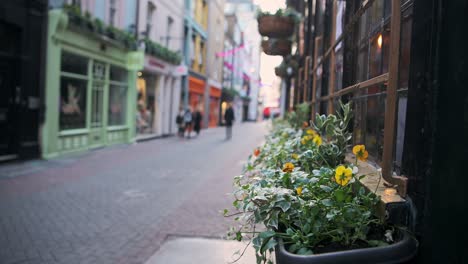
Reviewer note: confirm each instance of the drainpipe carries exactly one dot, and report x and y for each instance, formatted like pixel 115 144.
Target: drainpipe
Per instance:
pixel 136 18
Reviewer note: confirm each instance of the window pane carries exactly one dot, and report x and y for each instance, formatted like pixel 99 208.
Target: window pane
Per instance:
pixel 117 105
pixel 118 74
pixel 376 14
pixel 338 70
pixel 405 48
pixel 74 64
pixel 72 103
pixel 369 109
pixel 361 72
pixel 96 108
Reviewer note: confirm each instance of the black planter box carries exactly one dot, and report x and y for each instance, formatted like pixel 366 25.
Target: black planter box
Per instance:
pixel 400 252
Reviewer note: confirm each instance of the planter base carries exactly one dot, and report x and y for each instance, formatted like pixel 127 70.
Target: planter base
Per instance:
pixel 400 252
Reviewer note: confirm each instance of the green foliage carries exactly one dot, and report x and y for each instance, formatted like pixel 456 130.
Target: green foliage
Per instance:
pixel 290 189
pixel 297 118
pixel 229 94
pixel 288 12
pixel 87 22
pixel 162 52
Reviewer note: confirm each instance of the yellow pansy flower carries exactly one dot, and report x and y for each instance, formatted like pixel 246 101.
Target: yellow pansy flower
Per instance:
pixel 360 152
pixel 311 132
pixel 317 140
pixel 343 175
pixel 295 156
pixel 299 190
pixel 288 167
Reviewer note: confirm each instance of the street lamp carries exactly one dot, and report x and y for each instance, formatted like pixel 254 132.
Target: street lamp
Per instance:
pixel 289 71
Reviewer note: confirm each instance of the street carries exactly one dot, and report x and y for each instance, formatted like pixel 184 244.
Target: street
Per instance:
pixel 119 204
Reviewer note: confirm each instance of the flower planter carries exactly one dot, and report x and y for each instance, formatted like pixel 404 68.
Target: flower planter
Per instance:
pixel 280 47
pixel 275 26
pixel 399 252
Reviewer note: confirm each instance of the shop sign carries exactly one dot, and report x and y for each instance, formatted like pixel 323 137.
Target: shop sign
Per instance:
pixel 181 70
pixel 135 60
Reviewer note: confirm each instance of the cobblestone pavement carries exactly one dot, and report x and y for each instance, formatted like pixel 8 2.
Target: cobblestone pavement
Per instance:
pixel 119 204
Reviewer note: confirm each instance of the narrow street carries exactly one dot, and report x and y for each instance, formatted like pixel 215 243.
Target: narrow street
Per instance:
pixel 119 204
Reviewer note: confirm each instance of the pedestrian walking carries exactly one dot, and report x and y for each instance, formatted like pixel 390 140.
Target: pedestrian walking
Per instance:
pixel 228 119
pixel 180 123
pixel 197 118
pixel 188 121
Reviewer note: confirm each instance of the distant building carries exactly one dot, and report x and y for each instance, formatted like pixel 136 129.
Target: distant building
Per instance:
pixel 214 62
pixel 92 63
pixel 243 12
pixel 159 84
pixel 195 38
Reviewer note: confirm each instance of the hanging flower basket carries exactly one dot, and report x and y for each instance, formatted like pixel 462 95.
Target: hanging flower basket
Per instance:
pixel 280 71
pixel 280 47
pixel 276 26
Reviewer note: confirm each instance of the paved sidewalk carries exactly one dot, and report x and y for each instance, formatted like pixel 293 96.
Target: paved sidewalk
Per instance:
pixel 119 204
pixel 202 250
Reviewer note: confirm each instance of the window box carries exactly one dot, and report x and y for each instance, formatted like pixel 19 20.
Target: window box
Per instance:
pixel 401 251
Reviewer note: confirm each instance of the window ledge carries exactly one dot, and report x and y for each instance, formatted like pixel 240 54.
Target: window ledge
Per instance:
pixel 374 182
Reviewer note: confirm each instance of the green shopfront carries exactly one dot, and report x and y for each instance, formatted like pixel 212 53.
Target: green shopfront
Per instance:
pixel 90 90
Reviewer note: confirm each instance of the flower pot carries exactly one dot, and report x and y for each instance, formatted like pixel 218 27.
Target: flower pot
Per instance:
pixel 399 252
pixel 280 47
pixel 276 26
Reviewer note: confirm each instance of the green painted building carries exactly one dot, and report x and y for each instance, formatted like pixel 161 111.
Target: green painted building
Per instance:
pixel 90 88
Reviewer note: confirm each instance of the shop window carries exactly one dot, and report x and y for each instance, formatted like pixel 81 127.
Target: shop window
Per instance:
pixel 72 103
pixel 75 64
pixel 73 86
pixel 117 105
pixel 118 74
pixel 117 96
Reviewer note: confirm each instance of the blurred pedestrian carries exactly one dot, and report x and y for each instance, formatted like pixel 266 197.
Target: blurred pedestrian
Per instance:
pixel 180 123
pixel 188 121
pixel 197 118
pixel 228 120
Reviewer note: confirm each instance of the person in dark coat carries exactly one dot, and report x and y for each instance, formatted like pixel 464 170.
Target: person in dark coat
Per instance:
pixel 180 123
pixel 228 120
pixel 197 118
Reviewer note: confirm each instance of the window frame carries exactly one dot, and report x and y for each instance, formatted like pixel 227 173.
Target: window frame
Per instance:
pixel 391 78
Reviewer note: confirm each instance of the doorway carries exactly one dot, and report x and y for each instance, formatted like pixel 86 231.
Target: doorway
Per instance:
pixel 10 91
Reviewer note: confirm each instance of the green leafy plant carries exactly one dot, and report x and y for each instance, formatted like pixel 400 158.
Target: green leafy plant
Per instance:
pixel 87 22
pixel 229 94
pixel 162 52
pixel 288 12
pixel 298 187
